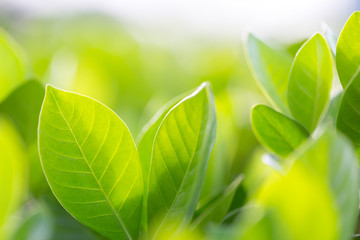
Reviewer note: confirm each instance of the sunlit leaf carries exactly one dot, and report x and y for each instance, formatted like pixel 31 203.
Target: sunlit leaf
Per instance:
pixel 145 145
pixel 91 163
pixel 279 133
pixel 348 66
pixel 310 82
pixel 181 150
pixel 348 51
pixel 271 68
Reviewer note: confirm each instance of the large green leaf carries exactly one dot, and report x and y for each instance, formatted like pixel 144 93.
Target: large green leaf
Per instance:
pixel 271 68
pixel 181 150
pixel 276 131
pixel 348 66
pixel 91 163
pixel 310 82
pixel 145 145
pixel 348 51
pixel 12 171
pixel 12 68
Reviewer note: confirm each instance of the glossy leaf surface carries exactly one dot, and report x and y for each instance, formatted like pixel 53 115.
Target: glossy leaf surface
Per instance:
pixel 310 82
pixel 271 68
pixel 91 163
pixel 348 51
pixel 348 66
pixel 180 155
pixel 279 133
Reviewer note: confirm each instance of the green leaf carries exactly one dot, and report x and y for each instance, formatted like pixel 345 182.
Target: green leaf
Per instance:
pixel 12 171
pixel 145 145
pixel 348 51
pixel 181 150
pixel 280 134
pixel 348 66
pixel 310 82
pixel 91 163
pixel 12 64
pixel 216 209
pixel 271 68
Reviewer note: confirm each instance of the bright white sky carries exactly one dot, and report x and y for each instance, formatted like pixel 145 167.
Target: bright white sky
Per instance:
pixel 280 18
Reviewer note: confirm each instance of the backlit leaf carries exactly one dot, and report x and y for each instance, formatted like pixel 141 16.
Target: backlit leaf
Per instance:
pixel 279 133
pixel 310 82
pixel 348 66
pixel 180 155
pixel 91 163
pixel 271 68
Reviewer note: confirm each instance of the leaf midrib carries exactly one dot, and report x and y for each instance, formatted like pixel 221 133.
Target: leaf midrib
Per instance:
pixel 182 182
pixel 279 132
pixel 92 172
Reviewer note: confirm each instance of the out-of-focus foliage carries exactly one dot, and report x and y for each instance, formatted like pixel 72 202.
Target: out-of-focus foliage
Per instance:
pixel 12 174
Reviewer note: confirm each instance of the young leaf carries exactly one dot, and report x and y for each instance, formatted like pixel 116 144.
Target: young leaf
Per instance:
pixel 348 51
pixel 181 150
pixel 91 163
pixel 310 82
pixel 276 131
pixel 348 66
pixel 271 68
pixel 145 144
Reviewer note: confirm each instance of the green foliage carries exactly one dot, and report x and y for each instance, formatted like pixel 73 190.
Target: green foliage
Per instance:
pixel 271 68
pixel 12 172
pixel 310 82
pixel 179 160
pixel 176 181
pixel 279 133
pixel 348 66
pixel 91 163
pixel 93 168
